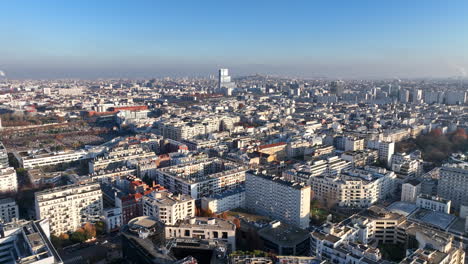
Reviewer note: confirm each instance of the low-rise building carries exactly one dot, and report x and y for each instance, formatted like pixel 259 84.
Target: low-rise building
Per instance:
pixel 284 239
pixel 45 158
pixel 433 203
pixel 204 228
pixel 225 201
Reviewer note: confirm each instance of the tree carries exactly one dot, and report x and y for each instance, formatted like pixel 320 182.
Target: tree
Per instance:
pixel 64 236
pixel 78 236
pixel 56 241
pixel 100 227
pixel 89 230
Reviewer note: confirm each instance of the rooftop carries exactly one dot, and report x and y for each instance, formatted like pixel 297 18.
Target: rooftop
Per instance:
pixel 283 234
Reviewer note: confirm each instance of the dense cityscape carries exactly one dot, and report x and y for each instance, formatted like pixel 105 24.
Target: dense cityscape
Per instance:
pixel 252 169
pixel 233 132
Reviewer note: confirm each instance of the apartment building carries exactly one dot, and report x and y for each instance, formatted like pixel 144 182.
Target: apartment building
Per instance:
pixel 224 201
pixel 403 164
pixel 8 180
pixel 453 184
pixel 359 188
pixel 386 150
pixel 278 198
pixel 354 240
pixel 363 187
pixel 410 191
pixel 204 228
pixel 69 207
pixel 119 159
pixel 305 173
pixel 3 156
pixel 202 178
pixel 8 210
pixel 167 207
pixel 353 144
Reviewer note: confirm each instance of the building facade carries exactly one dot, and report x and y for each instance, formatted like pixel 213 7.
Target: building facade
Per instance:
pixel 277 198
pixel 70 207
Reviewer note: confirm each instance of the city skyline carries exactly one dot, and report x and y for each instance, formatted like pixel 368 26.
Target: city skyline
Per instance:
pixel 348 40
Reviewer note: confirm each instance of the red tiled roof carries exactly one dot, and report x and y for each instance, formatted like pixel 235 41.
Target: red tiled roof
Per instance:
pixel 272 145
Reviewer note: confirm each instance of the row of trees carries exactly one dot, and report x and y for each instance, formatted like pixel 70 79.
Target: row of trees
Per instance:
pixel 88 231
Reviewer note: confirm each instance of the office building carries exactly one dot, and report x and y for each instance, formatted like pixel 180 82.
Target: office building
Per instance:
pixel 337 88
pixel 278 199
pixel 70 207
pixel 225 84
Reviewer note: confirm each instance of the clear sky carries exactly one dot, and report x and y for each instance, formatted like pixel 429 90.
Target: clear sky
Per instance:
pixel 309 38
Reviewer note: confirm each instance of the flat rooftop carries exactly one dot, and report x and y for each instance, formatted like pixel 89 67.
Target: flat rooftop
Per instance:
pixel 434 218
pixel 402 208
pixel 284 234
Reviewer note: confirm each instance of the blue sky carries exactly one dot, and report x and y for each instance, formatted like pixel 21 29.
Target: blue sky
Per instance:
pixel 338 39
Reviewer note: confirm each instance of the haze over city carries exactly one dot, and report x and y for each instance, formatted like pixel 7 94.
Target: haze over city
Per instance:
pixel 311 39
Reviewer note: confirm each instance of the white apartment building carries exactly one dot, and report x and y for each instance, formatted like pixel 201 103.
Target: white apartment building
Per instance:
pixel 453 184
pixel 3 154
pixel 278 198
pixel 386 150
pixel 8 180
pixel 204 228
pixel 305 173
pixel 433 203
pixel 27 242
pixel 32 160
pixel 8 210
pixel 224 201
pixel 167 207
pixel 69 207
pixel 410 191
pixel 363 187
pixel 405 165
pixel 112 218
pixel 120 158
pixel 354 187
pixel 202 178
pixel 353 144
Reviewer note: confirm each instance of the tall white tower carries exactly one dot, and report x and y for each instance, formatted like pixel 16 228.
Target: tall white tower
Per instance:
pixel 225 85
